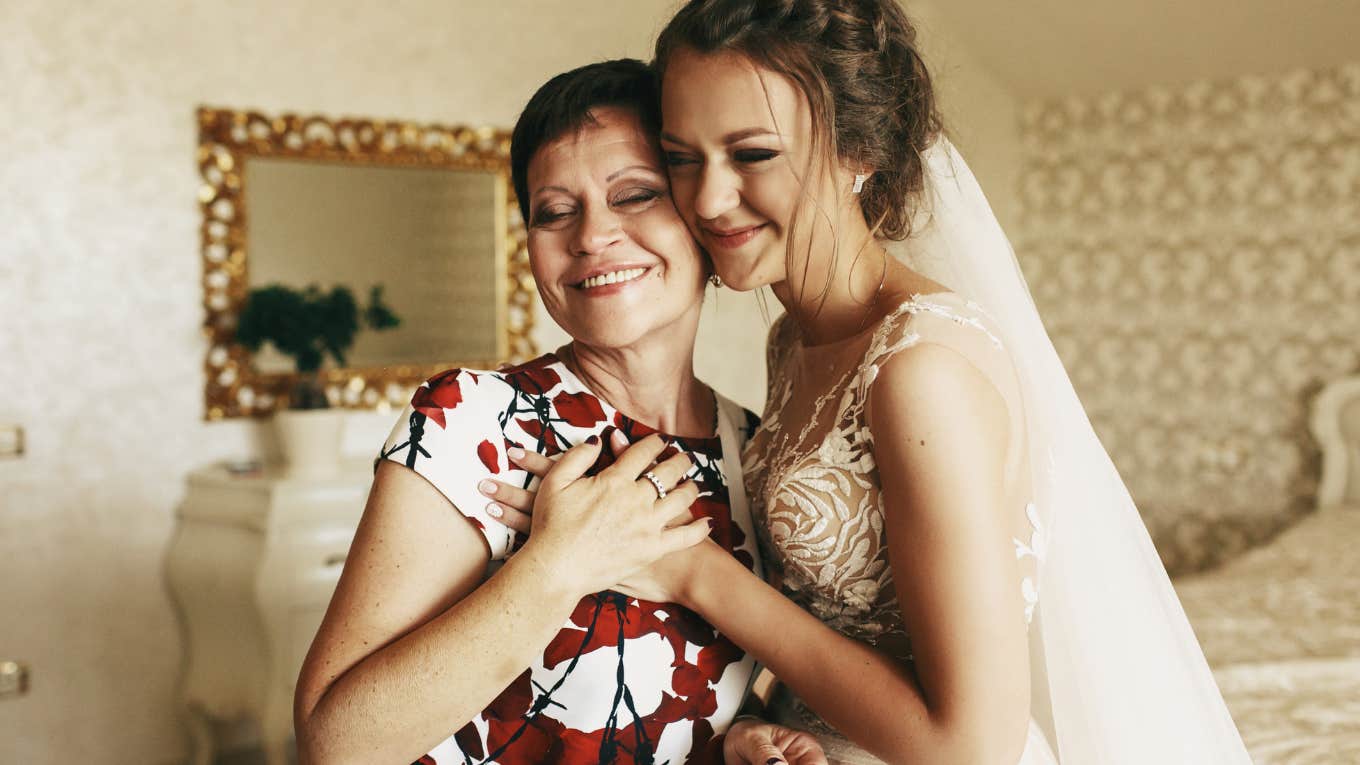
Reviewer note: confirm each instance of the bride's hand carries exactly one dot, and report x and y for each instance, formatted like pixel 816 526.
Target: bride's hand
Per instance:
pixel 598 530
pixel 756 742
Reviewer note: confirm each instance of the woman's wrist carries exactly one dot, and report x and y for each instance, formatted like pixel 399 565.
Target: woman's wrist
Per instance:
pixel 711 565
pixel 553 574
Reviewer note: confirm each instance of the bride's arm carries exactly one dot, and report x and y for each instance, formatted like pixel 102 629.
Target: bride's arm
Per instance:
pixel 939 437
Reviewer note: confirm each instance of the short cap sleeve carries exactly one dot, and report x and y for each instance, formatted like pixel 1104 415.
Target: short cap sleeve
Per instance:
pixel 450 434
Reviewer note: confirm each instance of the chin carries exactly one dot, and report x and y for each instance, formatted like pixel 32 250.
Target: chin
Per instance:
pixel 614 336
pixel 621 329
pixel 746 279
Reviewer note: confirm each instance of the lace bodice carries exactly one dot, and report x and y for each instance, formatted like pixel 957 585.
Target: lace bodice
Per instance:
pixel 814 481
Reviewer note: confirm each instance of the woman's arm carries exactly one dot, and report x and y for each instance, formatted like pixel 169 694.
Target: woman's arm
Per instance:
pixel 939 431
pixel 414 642
pixel 411 646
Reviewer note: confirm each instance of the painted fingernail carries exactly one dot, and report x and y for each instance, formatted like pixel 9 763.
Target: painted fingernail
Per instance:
pixel 592 440
pixel 515 453
pixel 494 510
pixel 487 487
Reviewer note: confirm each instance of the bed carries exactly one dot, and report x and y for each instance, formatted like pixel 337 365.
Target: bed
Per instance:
pixel 1281 624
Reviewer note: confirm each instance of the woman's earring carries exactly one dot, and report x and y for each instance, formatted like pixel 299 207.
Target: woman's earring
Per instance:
pixel 715 280
pixel 860 178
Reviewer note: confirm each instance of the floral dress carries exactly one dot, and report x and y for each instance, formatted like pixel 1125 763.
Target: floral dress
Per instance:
pixel 624 680
pixel 815 489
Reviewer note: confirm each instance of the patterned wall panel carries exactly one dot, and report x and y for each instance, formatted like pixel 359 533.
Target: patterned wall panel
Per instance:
pixel 1196 255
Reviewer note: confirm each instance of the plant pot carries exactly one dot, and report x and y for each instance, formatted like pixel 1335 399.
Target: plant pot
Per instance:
pixel 309 441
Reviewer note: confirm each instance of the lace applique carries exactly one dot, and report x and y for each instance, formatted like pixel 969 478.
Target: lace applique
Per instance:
pixel 816 497
pixel 1036 549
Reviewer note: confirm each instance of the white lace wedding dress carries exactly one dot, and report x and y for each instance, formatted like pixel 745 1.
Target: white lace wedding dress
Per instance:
pixel 815 489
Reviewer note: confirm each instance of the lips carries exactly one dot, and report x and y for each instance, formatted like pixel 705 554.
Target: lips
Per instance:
pixel 612 276
pixel 733 237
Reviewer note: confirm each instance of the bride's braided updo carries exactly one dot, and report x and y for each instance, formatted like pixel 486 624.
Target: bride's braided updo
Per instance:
pixel 856 62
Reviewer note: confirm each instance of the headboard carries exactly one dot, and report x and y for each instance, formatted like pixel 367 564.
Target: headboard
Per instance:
pixel 1336 425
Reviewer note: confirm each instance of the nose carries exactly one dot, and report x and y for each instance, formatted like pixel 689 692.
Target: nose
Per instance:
pixel 599 229
pixel 717 192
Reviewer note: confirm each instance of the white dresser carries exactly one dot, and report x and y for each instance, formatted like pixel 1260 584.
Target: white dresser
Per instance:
pixel 253 563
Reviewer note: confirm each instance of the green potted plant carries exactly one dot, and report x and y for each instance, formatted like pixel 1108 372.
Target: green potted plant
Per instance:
pixel 308 325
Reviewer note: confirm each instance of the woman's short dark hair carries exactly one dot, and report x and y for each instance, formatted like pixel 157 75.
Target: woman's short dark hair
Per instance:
pixel 564 105
pixel 857 63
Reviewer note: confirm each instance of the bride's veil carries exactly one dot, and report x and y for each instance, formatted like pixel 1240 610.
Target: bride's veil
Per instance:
pixel 1117 674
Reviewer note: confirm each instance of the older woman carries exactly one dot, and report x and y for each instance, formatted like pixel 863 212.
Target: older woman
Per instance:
pixel 429 653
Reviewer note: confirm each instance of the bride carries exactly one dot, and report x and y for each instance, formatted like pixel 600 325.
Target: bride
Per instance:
pixel 959 573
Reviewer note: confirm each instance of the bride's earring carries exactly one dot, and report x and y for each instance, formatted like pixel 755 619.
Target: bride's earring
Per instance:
pixel 715 280
pixel 860 178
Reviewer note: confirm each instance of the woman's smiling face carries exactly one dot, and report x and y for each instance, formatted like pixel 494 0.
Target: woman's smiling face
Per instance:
pixel 613 260
pixel 738 141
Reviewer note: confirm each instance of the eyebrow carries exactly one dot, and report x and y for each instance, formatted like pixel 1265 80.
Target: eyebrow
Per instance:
pixel 610 179
pixel 617 173
pixel 542 189
pixel 730 138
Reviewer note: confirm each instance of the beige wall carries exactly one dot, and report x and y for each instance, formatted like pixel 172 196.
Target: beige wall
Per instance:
pixel 1195 253
pixel 101 352
pixel 982 116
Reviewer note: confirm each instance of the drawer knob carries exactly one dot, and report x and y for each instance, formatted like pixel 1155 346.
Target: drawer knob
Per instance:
pixel 335 560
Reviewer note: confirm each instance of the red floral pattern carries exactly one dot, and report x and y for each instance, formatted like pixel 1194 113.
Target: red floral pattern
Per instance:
pixel 486 452
pixel 672 679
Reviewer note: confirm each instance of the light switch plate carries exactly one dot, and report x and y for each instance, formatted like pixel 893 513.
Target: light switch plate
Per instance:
pixel 13 679
pixel 11 440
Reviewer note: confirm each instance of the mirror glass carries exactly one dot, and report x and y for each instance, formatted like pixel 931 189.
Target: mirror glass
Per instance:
pixel 425 235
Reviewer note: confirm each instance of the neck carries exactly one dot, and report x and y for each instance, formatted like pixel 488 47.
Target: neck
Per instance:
pixel 835 294
pixel 651 382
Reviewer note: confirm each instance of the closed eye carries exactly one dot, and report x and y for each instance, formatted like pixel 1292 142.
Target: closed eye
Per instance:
pixel 548 216
pixel 750 156
pixel 638 196
pixel 676 159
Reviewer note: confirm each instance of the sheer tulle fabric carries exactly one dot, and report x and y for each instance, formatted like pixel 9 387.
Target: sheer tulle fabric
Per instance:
pixel 1118 676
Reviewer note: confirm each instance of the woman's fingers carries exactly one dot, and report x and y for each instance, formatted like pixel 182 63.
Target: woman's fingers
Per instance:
pixel 617 442
pixel 506 494
pixel 674 509
pixel 686 536
pixel 671 471
pixel 570 466
pixel 804 750
pixel 753 746
pixel 531 461
pixel 636 459
pixel 515 519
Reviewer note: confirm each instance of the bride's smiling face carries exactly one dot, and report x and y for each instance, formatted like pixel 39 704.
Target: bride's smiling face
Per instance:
pixel 738 143
pixel 612 258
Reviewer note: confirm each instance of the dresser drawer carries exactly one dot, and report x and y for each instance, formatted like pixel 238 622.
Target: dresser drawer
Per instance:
pixel 315 556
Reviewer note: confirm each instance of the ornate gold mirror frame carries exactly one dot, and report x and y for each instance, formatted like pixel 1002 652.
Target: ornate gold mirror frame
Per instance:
pixel 228 138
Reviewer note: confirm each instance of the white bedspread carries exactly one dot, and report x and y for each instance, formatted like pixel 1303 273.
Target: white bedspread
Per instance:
pixel 1281 627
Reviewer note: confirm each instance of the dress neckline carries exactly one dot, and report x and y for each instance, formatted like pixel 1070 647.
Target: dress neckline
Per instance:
pixel 636 429
pixel 836 346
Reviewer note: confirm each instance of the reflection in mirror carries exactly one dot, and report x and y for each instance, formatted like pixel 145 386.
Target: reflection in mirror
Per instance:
pixel 425 211
pixel 424 235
